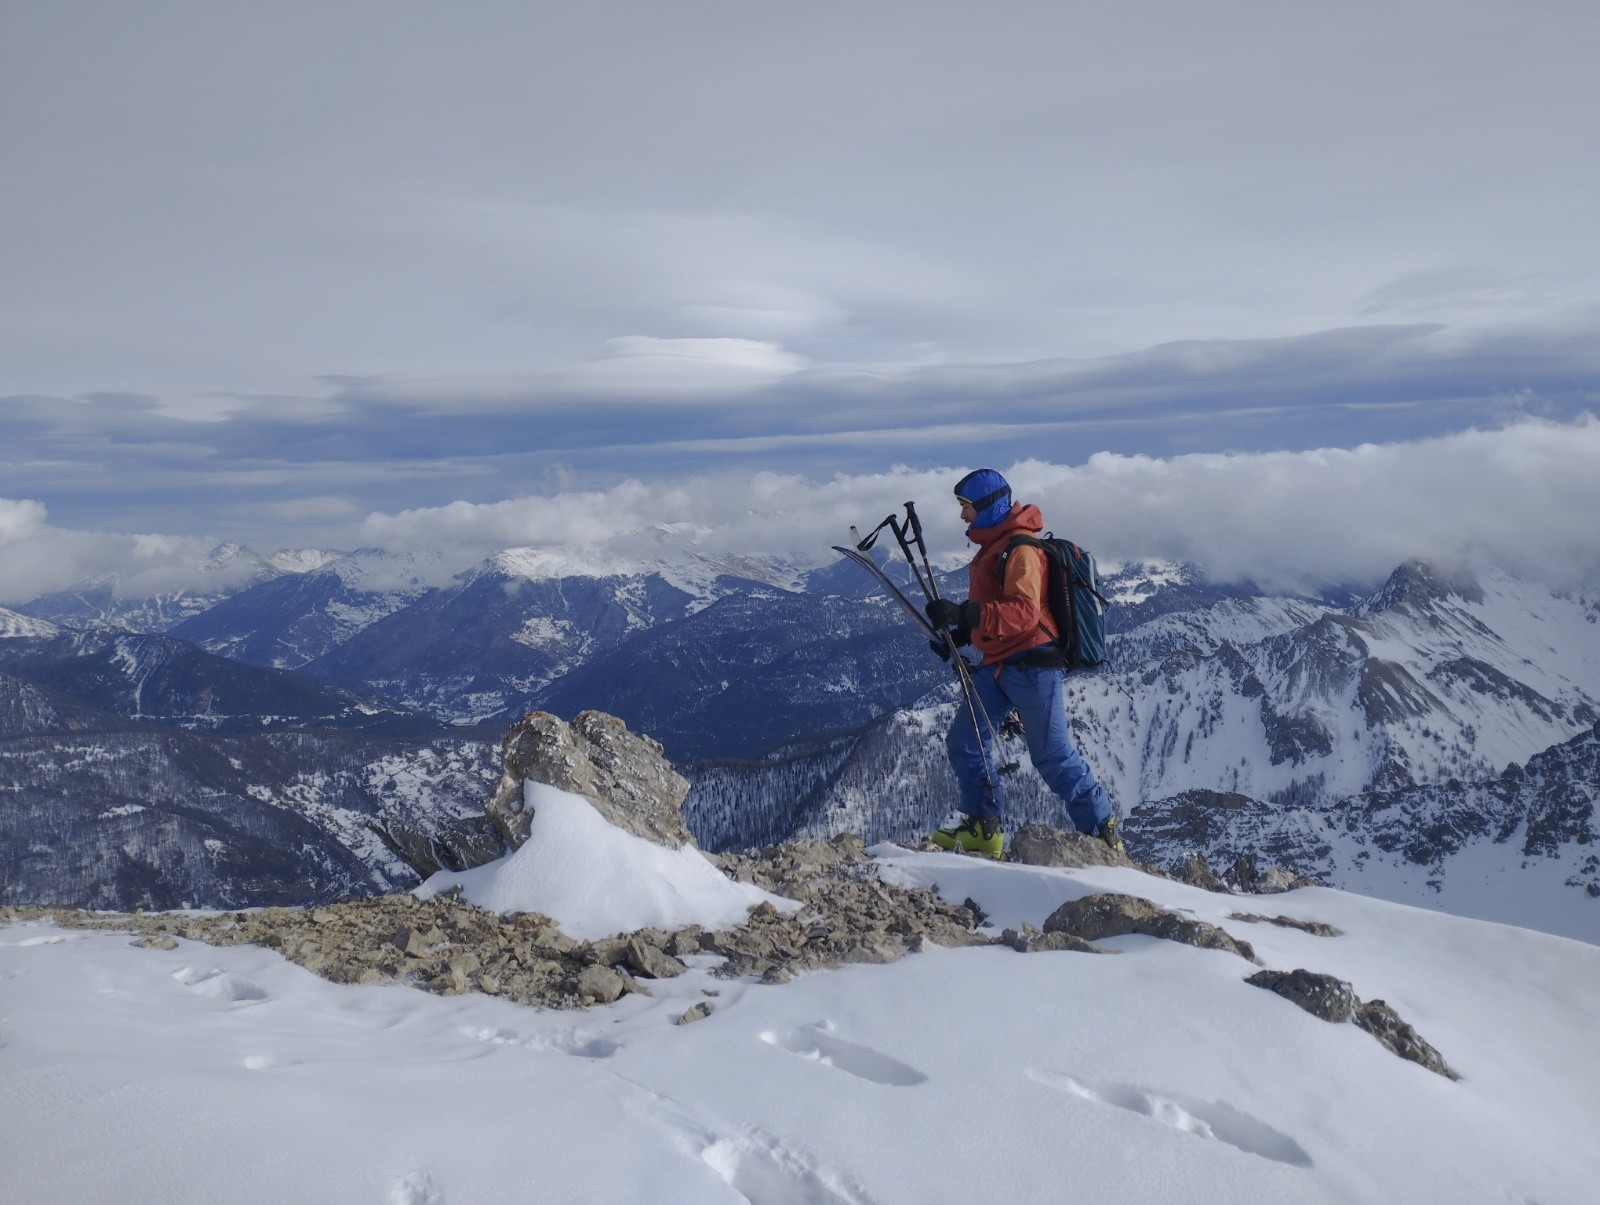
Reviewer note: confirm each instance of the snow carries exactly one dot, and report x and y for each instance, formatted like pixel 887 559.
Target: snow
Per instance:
pixel 206 1074
pixel 376 571
pixel 14 625
pixel 696 574
pixel 302 560
pixel 594 879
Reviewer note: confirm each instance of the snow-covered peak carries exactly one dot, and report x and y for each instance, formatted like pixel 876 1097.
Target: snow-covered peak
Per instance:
pixel 14 626
pixel 302 560
pixel 1129 583
pixel 695 573
pixel 1416 585
pixel 594 880
pixel 375 570
pixel 544 564
pixel 234 560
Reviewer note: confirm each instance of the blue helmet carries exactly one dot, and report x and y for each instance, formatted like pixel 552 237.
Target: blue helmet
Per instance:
pixel 986 492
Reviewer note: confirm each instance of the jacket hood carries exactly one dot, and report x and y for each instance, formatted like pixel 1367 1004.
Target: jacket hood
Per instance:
pixel 1023 520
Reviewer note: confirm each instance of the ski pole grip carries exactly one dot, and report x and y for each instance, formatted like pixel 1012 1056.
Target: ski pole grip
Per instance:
pixel 916 523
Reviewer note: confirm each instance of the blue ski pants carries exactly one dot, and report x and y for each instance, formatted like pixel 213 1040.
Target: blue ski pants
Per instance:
pixel 1036 695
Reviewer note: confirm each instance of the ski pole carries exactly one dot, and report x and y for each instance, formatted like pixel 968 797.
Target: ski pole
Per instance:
pixel 976 711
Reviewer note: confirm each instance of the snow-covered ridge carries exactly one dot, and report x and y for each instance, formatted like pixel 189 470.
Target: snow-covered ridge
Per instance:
pixel 1139 581
pixel 302 560
pixel 696 574
pixel 376 570
pixel 13 625
pixel 1177 1071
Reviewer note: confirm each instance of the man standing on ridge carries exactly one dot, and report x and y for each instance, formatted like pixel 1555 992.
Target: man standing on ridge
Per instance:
pixel 1009 622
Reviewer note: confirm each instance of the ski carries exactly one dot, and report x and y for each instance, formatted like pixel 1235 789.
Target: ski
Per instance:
pixel 894 591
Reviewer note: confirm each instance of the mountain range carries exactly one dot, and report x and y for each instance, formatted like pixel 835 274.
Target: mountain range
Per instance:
pixel 1409 739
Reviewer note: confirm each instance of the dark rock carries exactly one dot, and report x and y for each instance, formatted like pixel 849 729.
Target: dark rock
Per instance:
pixel 1320 995
pixel 1196 871
pixel 1383 1023
pixel 1335 1000
pixel 1111 915
pixel 1030 941
pixel 1244 876
pixel 1315 927
pixel 695 1012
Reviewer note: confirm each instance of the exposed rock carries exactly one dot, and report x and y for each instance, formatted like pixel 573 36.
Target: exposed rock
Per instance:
pixel 1335 1000
pixel 1244 876
pixel 1320 995
pixel 1031 941
pixel 1041 845
pixel 651 962
pixel 848 915
pixel 695 1012
pixel 600 984
pixel 156 941
pixel 622 773
pixel 1315 927
pixel 1111 914
pixel 1383 1023
pixel 412 943
pixel 1196 871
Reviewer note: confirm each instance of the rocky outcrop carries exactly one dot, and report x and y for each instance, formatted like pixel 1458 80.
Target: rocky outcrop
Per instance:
pixel 847 915
pixel 1042 845
pixel 1030 941
pixel 1335 1001
pixel 1196 871
pixel 1314 927
pixel 1322 996
pixel 1383 1023
pixel 1112 914
pixel 624 774
pixel 1246 877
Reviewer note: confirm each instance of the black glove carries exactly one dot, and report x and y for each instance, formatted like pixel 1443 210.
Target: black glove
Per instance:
pixel 942 613
pixel 946 643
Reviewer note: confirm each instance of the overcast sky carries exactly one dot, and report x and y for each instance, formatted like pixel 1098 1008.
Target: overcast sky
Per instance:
pixel 284 272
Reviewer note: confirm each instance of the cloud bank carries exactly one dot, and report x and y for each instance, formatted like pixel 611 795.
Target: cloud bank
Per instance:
pixel 1522 496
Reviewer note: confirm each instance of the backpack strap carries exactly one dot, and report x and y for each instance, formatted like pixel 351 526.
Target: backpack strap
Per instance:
pixel 1005 555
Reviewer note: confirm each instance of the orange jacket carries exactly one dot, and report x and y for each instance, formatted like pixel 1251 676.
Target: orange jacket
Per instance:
pixel 1016 613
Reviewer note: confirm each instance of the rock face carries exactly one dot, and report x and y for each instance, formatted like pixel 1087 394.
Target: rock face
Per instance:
pixel 622 773
pixel 1335 1000
pixel 1196 871
pixel 1111 915
pixel 1042 845
pixel 1246 877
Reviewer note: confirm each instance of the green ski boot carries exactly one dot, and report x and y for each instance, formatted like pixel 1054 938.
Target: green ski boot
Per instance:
pixel 972 836
pixel 1112 837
